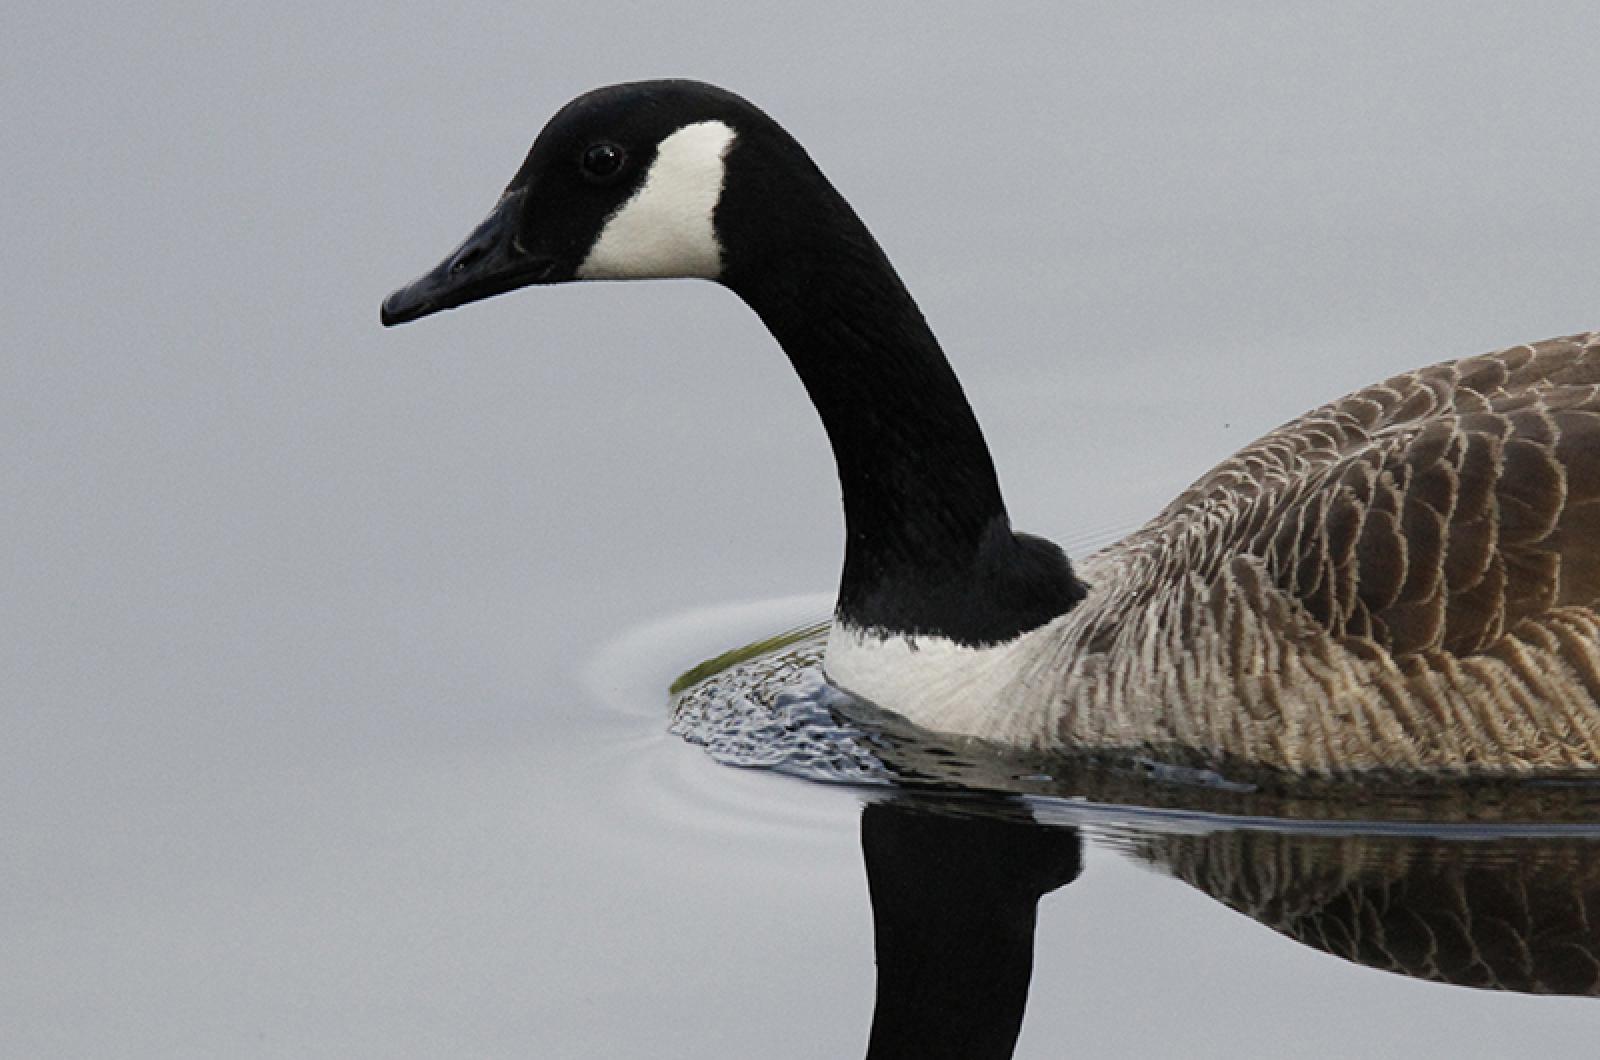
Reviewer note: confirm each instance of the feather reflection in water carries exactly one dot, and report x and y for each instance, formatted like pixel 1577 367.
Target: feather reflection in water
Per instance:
pixel 1511 913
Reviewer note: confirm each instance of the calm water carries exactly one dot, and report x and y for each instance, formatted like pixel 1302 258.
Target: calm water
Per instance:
pixel 334 661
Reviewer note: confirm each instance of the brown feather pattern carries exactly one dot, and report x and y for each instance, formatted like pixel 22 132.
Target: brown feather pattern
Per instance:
pixel 1403 579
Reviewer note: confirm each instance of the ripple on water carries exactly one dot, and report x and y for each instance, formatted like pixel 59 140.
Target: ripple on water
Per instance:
pixel 666 790
pixel 768 706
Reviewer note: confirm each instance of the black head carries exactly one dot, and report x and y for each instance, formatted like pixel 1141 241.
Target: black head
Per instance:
pixel 623 183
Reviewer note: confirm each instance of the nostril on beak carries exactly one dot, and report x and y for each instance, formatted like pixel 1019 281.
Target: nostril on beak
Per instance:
pixel 465 260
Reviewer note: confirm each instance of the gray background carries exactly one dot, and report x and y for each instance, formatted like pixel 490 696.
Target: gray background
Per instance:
pixel 333 658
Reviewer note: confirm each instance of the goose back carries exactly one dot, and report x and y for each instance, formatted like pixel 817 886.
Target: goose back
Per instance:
pixel 1404 578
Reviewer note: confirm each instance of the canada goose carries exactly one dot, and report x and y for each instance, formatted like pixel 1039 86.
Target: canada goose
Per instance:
pixel 1401 580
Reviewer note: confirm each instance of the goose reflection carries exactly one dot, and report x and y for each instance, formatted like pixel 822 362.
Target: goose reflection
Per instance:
pixel 955 882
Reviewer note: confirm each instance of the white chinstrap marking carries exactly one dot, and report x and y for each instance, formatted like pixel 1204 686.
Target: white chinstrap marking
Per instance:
pixel 666 229
pixel 944 686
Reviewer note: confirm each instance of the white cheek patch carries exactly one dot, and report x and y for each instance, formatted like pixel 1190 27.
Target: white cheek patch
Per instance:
pixel 666 228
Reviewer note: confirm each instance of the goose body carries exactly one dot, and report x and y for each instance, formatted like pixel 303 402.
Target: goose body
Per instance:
pixel 1405 579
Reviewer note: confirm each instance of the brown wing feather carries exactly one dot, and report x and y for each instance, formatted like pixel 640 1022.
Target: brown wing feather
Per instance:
pixel 1404 579
pixel 1433 511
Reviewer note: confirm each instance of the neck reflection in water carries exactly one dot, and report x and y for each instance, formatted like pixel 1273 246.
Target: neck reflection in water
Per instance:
pixel 955 894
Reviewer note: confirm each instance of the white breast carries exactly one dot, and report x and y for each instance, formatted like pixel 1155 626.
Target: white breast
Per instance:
pixel 992 693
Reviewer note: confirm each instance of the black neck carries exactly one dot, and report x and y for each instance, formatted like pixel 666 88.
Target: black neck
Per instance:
pixel 929 548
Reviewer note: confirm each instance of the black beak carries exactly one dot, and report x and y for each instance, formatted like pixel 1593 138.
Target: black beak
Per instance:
pixel 490 262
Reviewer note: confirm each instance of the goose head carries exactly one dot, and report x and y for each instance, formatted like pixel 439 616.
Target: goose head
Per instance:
pixel 664 179
pixel 625 182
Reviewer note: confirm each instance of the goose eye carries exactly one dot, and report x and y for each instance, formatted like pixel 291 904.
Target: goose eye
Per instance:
pixel 602 161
